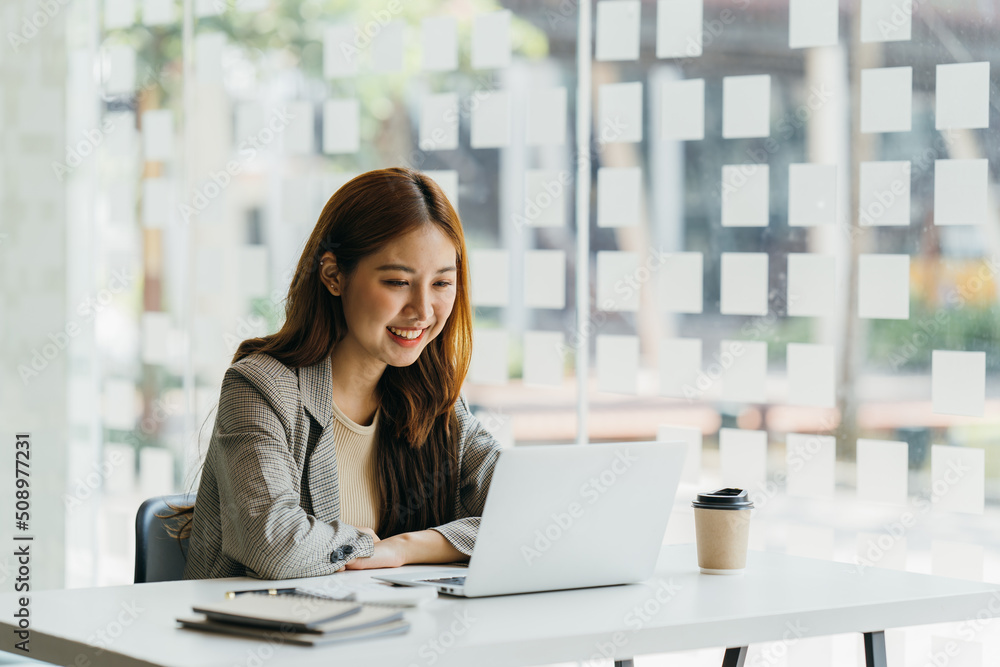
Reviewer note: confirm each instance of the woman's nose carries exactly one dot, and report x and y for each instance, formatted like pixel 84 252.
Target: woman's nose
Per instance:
pixel 420 304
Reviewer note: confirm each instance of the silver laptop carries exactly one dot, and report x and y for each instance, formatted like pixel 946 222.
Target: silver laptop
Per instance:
pixel 567 516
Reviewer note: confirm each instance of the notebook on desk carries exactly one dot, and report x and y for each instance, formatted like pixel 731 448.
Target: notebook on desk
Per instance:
pixel 297 618
pixel 567 516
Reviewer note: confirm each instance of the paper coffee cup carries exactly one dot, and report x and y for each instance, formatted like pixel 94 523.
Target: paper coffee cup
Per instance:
pixel 722 527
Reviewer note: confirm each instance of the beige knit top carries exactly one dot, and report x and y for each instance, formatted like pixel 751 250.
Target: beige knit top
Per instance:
pixel 354 445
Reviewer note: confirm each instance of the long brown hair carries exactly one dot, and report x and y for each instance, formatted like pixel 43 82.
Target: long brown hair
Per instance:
pixel 416 440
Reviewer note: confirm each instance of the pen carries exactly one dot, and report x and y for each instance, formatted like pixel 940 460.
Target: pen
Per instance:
pixel 269 591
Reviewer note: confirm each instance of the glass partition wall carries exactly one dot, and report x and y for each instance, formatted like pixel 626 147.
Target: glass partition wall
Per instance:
pixel 766 228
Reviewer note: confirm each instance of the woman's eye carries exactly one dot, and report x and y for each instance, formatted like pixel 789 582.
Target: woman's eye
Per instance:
pixel 403 283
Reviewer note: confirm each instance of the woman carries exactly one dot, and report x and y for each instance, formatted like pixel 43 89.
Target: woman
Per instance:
pixel 342 439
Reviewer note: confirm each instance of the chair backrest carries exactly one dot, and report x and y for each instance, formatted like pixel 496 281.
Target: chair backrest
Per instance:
pixel 158 556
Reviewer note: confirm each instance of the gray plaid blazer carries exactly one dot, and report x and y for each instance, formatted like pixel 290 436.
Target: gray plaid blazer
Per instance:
pixel 268 503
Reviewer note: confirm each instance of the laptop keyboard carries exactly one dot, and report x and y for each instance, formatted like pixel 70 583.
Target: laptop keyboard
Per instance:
pixel 456 581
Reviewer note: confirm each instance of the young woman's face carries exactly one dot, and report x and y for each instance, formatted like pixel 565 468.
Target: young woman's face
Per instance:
pixel 399 299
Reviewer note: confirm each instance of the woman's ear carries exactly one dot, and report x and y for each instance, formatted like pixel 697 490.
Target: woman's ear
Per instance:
pixel 329 275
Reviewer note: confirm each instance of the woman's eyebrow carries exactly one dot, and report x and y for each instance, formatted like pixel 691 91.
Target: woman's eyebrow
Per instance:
pixel 406 269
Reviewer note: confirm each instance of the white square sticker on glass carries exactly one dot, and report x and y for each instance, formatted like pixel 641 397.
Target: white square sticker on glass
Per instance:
pixel 811 284
pixel 387 47
pixel 439 122
pixel 341 126
pixel 744 283
pixel 299 136
pixel 881 550
pixel 119 69
pixel 439 41
pixel 958 479
pixel 618 364
pixel 491 120
pixel 810 460
pixel 545 198
pixel 682 105
pixel 447 180
pixel 743 458
pixel 205 8
pixel 156 202
pixel 813 23
pixel 490 278
pixel 208 49
pixel 746 106
pixel 811 375
pixel 489 357
pixel 681 280
pixel 884 194
pixel 619 196
pixel 340 54
pixel 812 195
pixel 961 192
pixel 882 471
pixel 620 112
pixel 543 358
pixel 546 117
pixel 545 279
pixel 617 30
pixel 884 287
pixel 491 40
pixel 679 28
pixel 118 14
pixel 886 20
pixel 958 560
pixel 617 288
pixel 253 274
pixel 158 134
pixel 692 438
pixel 155 326
pixel 745 195
pixel 887 99
pixel 958 383
pixel 680 365
pixel 963 96
pixel 158 12
pixel 742 367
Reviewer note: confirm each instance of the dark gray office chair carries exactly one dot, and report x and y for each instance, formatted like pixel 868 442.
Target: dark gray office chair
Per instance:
pixel 158 556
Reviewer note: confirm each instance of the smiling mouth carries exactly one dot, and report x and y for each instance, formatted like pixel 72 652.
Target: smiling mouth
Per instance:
pixel 407 334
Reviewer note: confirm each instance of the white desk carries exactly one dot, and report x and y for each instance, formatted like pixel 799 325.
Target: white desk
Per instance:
pixel 778 597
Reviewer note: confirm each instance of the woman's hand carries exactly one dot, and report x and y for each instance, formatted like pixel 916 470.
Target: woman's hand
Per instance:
pixel 389 552
pixel 369 531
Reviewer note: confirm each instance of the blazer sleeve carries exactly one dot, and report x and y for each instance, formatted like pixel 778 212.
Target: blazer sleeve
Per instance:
pixel 263 525
pixel 478 454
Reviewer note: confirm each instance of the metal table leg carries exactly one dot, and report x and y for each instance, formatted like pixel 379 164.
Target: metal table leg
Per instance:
pixel 624 663
pixel 875 649
pixel 735 657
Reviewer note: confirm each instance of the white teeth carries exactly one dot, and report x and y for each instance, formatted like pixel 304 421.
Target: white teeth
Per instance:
pixel 409 335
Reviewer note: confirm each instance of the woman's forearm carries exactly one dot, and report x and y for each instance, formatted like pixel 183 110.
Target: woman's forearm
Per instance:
pixel 429 546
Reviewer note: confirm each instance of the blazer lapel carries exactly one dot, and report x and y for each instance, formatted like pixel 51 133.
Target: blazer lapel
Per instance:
pixel 317 397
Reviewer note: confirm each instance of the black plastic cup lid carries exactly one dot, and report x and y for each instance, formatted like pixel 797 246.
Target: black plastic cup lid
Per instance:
pixel 724 499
